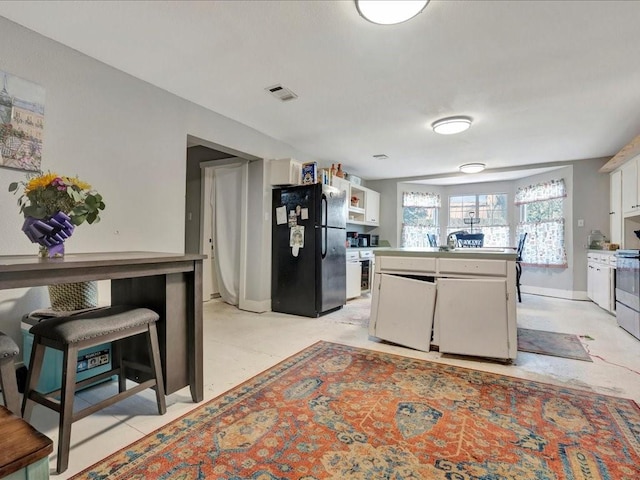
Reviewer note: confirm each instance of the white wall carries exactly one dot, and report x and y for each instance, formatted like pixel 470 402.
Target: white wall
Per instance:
pixel 125 137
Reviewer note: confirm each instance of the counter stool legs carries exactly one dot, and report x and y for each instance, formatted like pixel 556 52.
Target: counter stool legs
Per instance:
pixel 70 335
pixel 518 275
pixel 9 384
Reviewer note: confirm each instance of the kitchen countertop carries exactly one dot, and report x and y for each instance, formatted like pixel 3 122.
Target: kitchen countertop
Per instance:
pixel 485 253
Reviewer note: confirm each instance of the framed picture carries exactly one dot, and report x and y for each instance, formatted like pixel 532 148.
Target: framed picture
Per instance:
pixel 21 123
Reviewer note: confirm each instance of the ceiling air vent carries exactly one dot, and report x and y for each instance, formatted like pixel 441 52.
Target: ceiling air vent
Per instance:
pixel 281 93
pixel 380 156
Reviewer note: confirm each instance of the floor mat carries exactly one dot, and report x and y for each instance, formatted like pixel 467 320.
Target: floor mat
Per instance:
pixel 552 343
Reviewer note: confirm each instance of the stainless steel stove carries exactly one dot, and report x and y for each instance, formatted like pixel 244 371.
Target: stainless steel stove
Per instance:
pixel 628 290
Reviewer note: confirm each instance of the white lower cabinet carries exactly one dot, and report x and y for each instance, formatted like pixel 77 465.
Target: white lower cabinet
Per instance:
pixel 354 275
pixel 461 302
pixel 473 317
pixel 408 305
pixel 601 280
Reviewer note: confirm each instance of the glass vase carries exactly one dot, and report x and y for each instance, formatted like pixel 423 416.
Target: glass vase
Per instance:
pixel 55 252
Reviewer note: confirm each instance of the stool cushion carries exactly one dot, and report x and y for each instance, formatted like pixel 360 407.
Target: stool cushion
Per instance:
pixel 8 348
pixel 93 324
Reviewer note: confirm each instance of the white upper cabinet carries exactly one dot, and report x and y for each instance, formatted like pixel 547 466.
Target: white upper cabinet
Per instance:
pixel 630 203
pixel 372 207
pixel 615 206
pixel 285 171
pixel 363 203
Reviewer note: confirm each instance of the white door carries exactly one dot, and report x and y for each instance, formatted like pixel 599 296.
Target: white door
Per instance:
pixel 402 311
pixel 228 206
pixel 472 317
pixel 209 278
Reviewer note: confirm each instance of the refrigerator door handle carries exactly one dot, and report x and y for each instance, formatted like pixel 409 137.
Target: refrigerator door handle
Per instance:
pixel 323 251
pixel 324 211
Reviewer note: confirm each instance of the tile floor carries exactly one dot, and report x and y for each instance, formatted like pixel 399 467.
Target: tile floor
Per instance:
pixel 238 345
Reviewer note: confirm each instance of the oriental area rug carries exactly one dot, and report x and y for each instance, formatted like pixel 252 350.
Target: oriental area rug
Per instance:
pixel 552 343
pixel 338 412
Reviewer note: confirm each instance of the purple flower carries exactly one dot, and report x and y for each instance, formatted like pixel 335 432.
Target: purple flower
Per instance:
pixel 59 184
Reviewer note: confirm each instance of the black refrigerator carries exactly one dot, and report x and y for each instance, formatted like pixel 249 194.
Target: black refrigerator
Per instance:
pixel 308 264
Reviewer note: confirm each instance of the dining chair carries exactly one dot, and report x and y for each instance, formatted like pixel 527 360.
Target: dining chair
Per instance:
pixel 521 240
pixel 470 240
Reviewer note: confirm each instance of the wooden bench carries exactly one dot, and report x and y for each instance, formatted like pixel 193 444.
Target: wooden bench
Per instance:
pixel 24 451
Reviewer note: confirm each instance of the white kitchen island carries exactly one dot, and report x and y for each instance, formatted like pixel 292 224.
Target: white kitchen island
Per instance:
pixel 459 301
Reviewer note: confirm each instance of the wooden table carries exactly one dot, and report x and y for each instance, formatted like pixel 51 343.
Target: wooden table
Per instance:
pixel 168 283
pixel 24 452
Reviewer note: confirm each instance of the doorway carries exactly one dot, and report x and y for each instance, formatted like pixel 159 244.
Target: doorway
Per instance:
pixel 223 200
pixel 200 154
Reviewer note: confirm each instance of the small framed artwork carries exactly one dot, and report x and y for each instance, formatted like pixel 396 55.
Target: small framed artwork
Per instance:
pixel 21 123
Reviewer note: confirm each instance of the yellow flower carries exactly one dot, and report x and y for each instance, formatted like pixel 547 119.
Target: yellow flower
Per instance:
pixel 41 181
pixel 77 182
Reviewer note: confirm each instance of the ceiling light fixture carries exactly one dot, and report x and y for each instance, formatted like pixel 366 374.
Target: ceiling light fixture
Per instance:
pixel 389 12
pixel 472 167
pixel 451 125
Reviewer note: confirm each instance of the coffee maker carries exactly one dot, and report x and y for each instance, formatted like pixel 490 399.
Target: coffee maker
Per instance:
pixel 356 239
pixel 352 239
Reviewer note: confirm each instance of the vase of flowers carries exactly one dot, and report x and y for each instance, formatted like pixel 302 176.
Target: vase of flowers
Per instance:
pixel 53 205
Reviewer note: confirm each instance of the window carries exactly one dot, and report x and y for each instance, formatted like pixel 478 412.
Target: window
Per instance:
pixel 488 212
pixel 419 218
pixel 542 217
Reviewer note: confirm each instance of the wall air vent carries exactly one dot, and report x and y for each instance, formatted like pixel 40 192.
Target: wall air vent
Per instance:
pixel 281 93
pixel 380 156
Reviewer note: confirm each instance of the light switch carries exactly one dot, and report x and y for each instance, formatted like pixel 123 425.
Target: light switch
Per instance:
pixel 581 222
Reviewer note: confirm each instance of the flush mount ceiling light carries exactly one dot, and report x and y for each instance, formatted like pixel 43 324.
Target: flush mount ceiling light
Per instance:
pixel 451 125
pixel 389 12
pixel 472 167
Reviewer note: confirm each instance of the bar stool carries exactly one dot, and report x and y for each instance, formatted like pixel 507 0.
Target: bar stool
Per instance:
pixel 8 382
pixel 73 333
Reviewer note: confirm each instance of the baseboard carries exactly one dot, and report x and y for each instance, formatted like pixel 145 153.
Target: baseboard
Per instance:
pixel 256 306
pixel 554 292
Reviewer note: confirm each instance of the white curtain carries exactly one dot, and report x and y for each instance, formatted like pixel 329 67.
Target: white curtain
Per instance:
pixel 419 218
pixel 544 246
pixel 227 199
